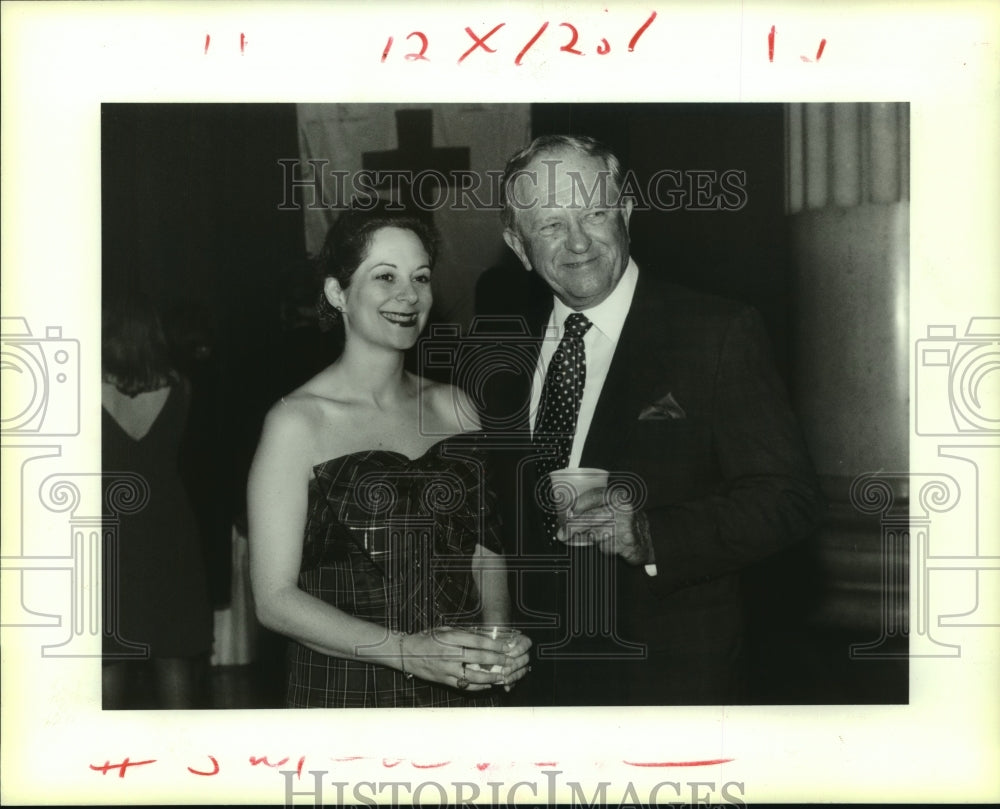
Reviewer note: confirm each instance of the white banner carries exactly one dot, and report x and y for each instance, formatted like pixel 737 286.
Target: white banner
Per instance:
pixel 352 146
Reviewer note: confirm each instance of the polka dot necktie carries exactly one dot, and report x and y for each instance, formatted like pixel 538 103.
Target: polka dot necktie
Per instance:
pixel 559 406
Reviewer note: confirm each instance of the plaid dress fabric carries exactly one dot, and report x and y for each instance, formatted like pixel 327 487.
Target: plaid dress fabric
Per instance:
pixel 390 539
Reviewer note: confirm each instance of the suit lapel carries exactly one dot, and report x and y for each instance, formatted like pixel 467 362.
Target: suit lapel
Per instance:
pixel 626 387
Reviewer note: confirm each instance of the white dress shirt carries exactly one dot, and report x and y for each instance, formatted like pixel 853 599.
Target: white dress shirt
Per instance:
pixel 599 343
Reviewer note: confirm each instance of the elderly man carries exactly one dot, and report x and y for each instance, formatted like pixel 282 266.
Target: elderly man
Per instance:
pixel 632 596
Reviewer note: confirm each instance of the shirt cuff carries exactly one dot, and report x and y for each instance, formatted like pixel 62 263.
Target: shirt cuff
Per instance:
pixel 651 570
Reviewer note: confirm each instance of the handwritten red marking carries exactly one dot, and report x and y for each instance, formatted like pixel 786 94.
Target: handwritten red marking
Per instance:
pixel 385 52
pixel 348 758
pixel 642 29
pixel 770 45
pixel 255 760
pixel 243 43
pixel 215 764
pixel 385 762
pixel 429 766
pixel 707 763
pixel 103 769
pixel 480 43
pixel 208 40
pixel 546 763
pixel 531 42
pixel 568 47
pixel 604 47
pixel 483 766
pixel 416 57
pixel 822 45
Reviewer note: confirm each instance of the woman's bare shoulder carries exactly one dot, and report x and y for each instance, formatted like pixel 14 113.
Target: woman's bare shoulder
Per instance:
pixel 308 409
pixel 290 421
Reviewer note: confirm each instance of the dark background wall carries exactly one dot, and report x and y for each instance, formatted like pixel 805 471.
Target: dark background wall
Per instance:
pixel 736 253
pixel 190 196
pixel 190 216
pixel 739 254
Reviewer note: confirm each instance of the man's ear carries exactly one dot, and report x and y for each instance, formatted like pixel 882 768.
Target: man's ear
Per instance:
pixel 334 293
pixel 627 205
pixel 514 243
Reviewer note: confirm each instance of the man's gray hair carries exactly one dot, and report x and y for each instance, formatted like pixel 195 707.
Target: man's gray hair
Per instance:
pixel 549 143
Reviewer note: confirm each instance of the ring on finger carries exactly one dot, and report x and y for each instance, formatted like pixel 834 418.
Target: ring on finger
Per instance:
pixel 462 683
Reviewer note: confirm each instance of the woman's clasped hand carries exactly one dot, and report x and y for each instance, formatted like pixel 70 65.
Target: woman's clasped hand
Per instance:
pixel 462 659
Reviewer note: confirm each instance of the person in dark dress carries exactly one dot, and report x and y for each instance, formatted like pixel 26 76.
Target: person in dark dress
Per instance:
pixel 374 543
pixel 158 619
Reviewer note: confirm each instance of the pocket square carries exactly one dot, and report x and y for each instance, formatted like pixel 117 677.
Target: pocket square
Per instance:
pixel 667 407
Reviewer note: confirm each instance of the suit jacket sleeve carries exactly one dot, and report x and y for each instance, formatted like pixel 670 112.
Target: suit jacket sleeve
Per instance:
pixel 763 496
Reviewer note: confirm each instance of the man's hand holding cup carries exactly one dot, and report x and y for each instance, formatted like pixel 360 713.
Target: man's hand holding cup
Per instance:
pixel 587 518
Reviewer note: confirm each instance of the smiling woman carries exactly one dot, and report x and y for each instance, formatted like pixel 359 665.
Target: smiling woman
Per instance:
pixel 373 540
pixel 390 286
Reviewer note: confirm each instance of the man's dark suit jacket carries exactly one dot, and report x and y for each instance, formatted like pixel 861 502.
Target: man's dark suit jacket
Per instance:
pixel 694 417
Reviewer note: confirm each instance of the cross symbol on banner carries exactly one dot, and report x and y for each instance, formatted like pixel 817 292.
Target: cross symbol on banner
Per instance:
pixel 416 150
pixel 416 154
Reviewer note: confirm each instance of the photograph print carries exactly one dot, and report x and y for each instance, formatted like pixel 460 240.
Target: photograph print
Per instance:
pixel 548 405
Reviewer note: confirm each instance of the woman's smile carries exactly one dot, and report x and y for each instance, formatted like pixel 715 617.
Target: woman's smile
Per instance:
pixel 406 319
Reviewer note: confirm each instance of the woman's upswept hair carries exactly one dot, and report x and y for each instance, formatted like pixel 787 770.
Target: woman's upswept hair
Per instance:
pixel 347 242
pixel 135 357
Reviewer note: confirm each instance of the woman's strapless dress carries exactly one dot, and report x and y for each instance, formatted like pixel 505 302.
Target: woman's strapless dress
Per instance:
pixel 390 539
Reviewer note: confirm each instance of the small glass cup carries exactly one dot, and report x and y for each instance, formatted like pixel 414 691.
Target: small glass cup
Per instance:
pixel 493 632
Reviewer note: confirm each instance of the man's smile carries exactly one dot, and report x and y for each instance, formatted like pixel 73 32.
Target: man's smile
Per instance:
pixel 577 264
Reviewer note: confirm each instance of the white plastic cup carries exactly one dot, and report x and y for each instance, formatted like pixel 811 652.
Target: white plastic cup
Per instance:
pixel 567 486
